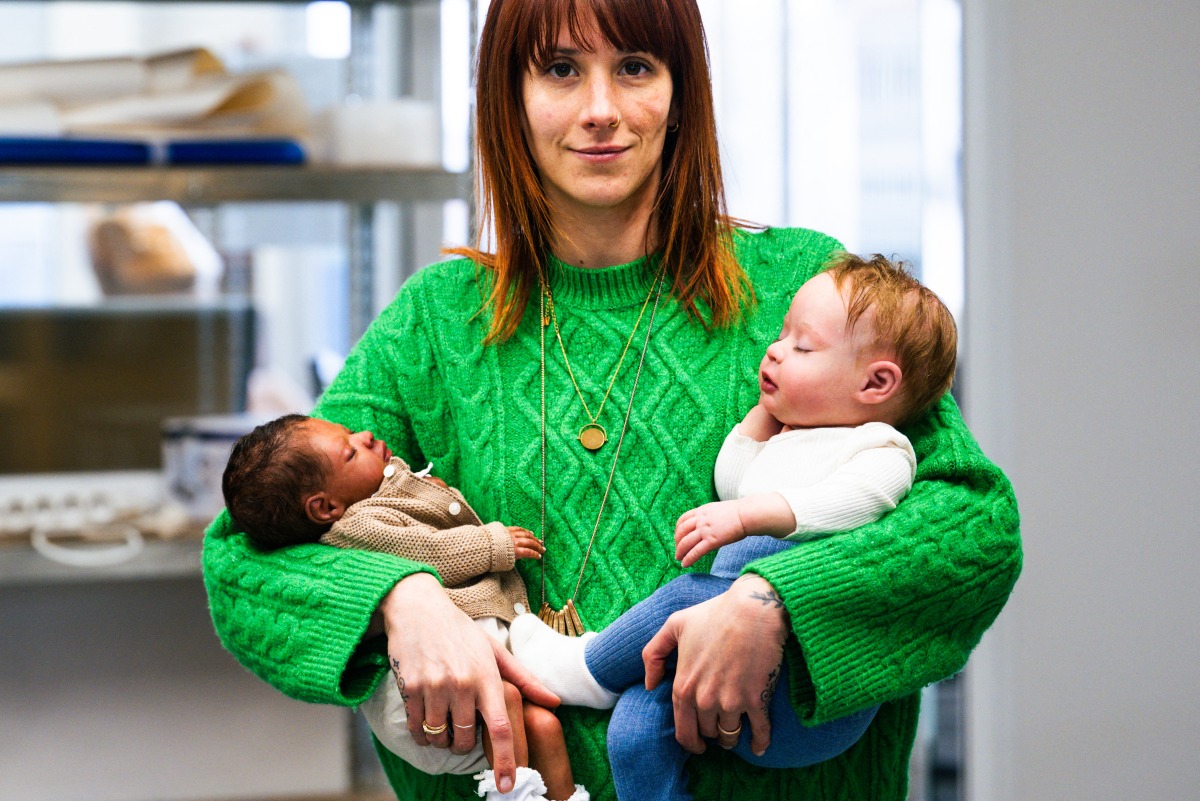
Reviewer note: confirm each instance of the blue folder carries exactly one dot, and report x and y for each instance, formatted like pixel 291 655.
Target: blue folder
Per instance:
pixel 234 151
pixel 45 151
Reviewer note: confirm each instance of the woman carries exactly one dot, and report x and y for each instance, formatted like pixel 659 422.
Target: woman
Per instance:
pixel 579 382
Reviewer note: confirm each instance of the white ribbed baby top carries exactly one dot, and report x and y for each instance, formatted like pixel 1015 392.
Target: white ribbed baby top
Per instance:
pixel 834 479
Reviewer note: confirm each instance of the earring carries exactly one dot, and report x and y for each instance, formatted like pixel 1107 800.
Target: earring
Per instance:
pixel 615 123
pixel 673 127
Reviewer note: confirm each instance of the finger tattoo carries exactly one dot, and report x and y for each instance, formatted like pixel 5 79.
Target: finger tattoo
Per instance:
pixel 400 683
pixel 768 598
pixel 769 690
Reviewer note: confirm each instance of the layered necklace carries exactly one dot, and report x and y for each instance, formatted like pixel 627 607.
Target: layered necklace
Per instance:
pixel 592 436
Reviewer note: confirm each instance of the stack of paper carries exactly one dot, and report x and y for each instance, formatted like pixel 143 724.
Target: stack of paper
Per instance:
pixel 175 107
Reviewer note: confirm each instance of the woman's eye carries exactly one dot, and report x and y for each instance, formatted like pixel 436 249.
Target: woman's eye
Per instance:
pixel 635 68
pixel 560 70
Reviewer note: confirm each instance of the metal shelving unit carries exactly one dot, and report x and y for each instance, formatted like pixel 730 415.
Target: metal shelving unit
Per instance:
pixel 218 185
pixel 22 565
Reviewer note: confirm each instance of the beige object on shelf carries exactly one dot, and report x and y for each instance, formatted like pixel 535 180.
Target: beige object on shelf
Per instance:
pixel 180 94
pixel 133 253
pixel 68 82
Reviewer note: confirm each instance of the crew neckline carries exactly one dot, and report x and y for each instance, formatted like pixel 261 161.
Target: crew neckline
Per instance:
pixel 604 287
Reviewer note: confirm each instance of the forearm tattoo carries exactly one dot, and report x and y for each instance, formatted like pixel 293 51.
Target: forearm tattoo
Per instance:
pixel 769 691
pixel 768 598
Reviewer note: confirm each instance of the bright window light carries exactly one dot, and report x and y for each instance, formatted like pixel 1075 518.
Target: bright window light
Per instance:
pixel 328 29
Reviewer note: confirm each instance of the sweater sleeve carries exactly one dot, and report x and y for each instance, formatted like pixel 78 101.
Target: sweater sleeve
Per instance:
pixel 459 554
pixel 296 617
pixel 885 609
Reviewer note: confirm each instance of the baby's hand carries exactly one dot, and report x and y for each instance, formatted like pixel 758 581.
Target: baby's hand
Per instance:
pixel 759 424
pixel 705 529
pixel 525 545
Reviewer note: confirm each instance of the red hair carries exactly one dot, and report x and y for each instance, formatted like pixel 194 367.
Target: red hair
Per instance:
pixel 910 322
pixel 690 220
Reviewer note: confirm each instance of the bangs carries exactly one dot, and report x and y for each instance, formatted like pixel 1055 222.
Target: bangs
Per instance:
pixel 628 25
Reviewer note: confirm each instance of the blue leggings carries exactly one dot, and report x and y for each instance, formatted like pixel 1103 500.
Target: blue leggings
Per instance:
pixel 647 762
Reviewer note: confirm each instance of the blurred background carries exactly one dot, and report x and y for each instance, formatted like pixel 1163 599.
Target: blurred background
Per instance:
pixel 1036 162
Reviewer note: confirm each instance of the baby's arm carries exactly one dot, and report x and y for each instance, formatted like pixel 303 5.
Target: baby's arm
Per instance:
pixel 712 525
pixel 862 490
pixel 759 424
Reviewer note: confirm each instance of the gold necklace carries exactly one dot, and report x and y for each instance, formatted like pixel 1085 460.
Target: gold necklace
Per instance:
pixel 592 436
pixel 567 620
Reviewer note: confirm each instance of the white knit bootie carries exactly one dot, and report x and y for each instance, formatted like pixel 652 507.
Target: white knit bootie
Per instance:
pixel 580 794
pixel 558 662
pixel 528 786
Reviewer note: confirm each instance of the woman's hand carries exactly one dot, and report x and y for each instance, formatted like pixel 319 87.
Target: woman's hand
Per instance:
pixel 730 655
pixel 447 669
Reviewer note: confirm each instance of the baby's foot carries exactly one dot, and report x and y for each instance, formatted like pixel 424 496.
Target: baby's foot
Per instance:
pixel 528 787
pixel 558 662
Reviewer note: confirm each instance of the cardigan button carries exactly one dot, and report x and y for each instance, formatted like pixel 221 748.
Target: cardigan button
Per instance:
pixel 455 508
pixel 389 471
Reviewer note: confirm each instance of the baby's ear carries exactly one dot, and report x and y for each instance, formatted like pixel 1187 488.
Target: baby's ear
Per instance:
pixel 881 381
pixel 320 509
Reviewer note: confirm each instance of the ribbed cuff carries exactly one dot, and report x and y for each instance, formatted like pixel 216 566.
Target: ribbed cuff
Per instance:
pixel 828 616
pixel 504 555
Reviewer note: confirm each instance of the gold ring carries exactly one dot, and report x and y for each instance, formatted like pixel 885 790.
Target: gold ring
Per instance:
pixel 464 725
pixel 615 123
pixel 733 733
pixel 433 731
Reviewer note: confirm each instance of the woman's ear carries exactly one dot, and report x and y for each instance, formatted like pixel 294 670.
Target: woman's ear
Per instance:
pixel 881 381
pixel 320 509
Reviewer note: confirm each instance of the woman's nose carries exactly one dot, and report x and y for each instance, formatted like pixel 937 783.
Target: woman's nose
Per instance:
pixel 600 106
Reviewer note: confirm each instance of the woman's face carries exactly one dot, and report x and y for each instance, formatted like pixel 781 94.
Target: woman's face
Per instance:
pixel 596 123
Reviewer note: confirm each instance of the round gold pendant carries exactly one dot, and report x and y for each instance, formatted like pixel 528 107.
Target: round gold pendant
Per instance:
pixel 592 436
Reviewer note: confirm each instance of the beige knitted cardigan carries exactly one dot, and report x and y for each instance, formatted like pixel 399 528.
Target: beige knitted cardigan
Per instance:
pixel 419 520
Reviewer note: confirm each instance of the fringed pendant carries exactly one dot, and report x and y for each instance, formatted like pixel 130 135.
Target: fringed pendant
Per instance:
pixel 564 621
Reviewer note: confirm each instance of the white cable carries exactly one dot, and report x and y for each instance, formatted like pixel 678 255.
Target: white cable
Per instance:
pixel 89 556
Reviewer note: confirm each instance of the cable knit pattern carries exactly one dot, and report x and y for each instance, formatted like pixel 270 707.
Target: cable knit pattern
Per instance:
pixel 878 612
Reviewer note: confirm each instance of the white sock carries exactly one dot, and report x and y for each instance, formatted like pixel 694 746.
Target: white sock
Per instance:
pixel 557 661
pixel 528 786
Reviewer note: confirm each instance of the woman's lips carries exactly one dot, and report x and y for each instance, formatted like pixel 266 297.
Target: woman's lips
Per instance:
pixel 600 155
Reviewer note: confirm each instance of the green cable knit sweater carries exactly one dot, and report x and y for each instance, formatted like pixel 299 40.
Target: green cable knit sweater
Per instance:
pixel 878 613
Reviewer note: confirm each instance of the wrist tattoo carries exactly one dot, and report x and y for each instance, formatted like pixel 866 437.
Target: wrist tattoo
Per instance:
pixel 768 598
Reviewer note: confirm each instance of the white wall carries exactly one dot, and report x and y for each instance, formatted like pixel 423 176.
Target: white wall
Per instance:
pixel 1083 278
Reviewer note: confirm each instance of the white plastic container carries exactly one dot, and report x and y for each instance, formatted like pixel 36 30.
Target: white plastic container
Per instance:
pixel 195 451
pixel 381 133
